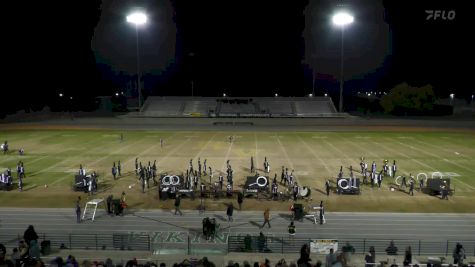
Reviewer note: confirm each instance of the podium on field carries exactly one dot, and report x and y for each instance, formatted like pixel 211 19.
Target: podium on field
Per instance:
pixel 94 203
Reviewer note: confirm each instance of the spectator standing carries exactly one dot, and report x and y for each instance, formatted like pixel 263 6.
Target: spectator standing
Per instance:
pixel 78 210
pixel 229 212
pixel 408 256
pixel 30 234
pixel 348 250
pixel 330 258
pixel 266 218
pixel 240 199
pixel 177 205
pixel 459 254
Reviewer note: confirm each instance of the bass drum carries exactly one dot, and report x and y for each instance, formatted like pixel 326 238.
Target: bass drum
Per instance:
pixel 305 192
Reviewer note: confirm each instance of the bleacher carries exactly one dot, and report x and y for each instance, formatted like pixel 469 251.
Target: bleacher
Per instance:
pixel 239 107
pixel 163 107
pixel 317 107
pixel 199 108
pixel 276 107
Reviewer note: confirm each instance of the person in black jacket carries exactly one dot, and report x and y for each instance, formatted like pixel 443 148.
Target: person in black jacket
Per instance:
pixel 30 234
pixel 177 205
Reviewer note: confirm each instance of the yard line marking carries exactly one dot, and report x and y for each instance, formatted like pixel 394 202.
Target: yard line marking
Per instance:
pixel 256 155
pixel 288 159
pixel 421 163
pixel 98 160
pixel 435 155
pixel 440 148
pixel 344 154
pixel 64 159
pixel 147 150
pixel 203 147
pixel 223 170
pixel 174 150
pixel 315 155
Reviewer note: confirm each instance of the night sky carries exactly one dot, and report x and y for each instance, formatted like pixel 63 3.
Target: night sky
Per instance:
pixel 243 48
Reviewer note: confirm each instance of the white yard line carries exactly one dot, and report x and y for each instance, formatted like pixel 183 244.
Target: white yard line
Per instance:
pixel 440 148
pixel 287 158
pixel 132 159
pixel 203 148
pixel 256 156
pixel 344 155
pixel 435 155
pixel 223 168
pixel 420 163
pixel 174 150
pixel 315 155
pixel 59 163
pixel 94 162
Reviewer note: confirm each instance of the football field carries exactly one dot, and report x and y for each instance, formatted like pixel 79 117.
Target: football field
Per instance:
pixel 52 158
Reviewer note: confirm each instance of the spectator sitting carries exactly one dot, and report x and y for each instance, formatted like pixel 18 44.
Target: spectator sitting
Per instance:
pixel 34 251
pixel 391 249
pixel 23 247
pixel 16 257
pixel 348 250
pixel 3 260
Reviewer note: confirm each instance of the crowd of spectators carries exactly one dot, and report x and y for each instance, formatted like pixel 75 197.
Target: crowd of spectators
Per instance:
pixel 28 253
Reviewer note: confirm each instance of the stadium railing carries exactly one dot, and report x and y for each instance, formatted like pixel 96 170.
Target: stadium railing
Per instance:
pixel 193 244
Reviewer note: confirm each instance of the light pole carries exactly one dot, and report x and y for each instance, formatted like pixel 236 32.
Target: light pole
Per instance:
pixel 342 19
pixel 137 18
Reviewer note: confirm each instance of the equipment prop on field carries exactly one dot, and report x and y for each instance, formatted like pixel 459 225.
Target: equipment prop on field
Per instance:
pixel 94 203
pixel 305 191
pixel 260 183
pixel 347 185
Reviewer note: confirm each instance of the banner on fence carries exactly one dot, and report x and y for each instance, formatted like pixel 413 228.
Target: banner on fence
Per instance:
pixel 323 246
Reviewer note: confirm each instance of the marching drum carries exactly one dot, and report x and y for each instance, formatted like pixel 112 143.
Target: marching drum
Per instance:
pixel 305 192
pixel 171 180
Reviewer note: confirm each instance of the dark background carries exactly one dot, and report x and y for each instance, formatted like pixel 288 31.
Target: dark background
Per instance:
pixel 85 49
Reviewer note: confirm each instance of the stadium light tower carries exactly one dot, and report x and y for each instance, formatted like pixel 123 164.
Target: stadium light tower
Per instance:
pixel 341 19
pixel 138 19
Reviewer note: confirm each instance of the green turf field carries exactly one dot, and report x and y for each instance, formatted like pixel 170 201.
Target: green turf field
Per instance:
pixel 53 157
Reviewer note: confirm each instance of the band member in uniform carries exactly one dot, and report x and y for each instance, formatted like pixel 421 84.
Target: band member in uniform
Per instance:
pixel 21 151
pixel 282 177
pixel 296 191
pixel 240 199
pixel 421 184
pixel 327 187
pixel 204 167
pixel 411 187
pixel 373 167
pixel 275 189
pixel 20 183
pixel 203 190
pixel 220 179
pixel 114 171
pixel 199 167
pixel 385 168
pixel 229 190
pixel 118 168
pixel 136 166
pixel 252 164
pixel 340 174
pixel 380 178
pixel 403 182
pixel 394 169
pixel 142 179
